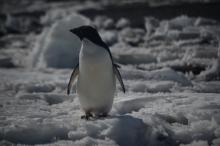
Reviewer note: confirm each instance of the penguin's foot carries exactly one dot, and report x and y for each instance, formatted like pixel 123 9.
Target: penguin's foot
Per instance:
pixel 87 116
pixel 102 115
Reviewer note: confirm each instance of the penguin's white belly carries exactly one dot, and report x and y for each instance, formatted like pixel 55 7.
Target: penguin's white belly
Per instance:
pixel 96 82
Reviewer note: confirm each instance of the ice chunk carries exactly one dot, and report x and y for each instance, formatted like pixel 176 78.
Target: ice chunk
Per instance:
pixel 132 36
pixel 122 23
pixel 78 134
pixel 216 142
pixel 212 73
pixel 109 37
pixel 171 75
pixel 49 98
pixel 108 24
pixel 165 74
pixel 151 24
pixel 103 22
pixel 135 58
pixel 204 21
pixel 132 104
pixel 179 118
pixel 57 47
pixel 180 22
pixel 39 87
pixel 152 87
pixel 197 143
pixel 207 87
pixel 88 141
pixel 34 133
pixel 128 131
pixel 22 24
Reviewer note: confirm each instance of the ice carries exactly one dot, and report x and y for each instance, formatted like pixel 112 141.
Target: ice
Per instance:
pixel 110 37
pixel 135 58
pixel 122 23
pixel 152 86
pixel 131 36
pixel 208 87
pixel 180 22
pixel 151 24
pixel 6 62
pixel 140 118
pixel 216 142
pixel 21 24
pixel 99 142
pixel 108 24
pixel 35 133
pixel 40 88
pixel 204 21
pixel 135 104
pixel 196 143
pixel 170 69
pixel 56 46
pixel 114 128
pixel 103 22
pixel 136 131
pixel 212 73
pixel 168 74
pixel 165 74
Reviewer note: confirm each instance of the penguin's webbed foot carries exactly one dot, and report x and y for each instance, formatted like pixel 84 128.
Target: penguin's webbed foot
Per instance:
pixel 103 115
pixel 87 116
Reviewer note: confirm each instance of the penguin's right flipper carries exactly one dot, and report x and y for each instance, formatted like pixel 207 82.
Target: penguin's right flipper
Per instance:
pixel 72 78
pixel 118 75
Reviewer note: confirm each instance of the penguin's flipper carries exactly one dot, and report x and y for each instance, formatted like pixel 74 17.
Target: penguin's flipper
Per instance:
pixel 116 65
pixel 72 78
pixel 118 75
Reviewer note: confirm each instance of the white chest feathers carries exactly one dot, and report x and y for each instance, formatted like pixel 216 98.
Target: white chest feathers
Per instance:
pixel 96 81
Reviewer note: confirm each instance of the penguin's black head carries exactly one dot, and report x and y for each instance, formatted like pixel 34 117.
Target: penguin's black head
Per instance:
pixel 86 31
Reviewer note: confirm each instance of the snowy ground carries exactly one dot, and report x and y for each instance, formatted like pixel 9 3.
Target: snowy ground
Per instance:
pixel 170 69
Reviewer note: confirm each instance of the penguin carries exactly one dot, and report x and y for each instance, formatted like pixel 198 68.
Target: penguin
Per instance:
pixel 96 74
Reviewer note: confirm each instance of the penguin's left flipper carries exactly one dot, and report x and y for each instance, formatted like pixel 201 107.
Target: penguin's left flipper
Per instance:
pixel 118 75
pixel 72 78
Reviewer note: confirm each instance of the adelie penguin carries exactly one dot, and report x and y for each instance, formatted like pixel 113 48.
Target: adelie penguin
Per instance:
pixel 96 74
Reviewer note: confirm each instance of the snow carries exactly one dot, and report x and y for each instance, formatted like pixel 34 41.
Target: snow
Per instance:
pixel 196 143
pixel 103 22
pixel 131 36
pixel 165 74
pixel 110 37
pixel 137 118
pixel 170 70
pixel 122 23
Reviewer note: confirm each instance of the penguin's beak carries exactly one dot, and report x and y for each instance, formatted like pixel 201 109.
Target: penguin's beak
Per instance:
pixel 76 32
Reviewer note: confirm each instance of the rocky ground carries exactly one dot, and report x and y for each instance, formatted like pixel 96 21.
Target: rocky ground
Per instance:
pixel 169 64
